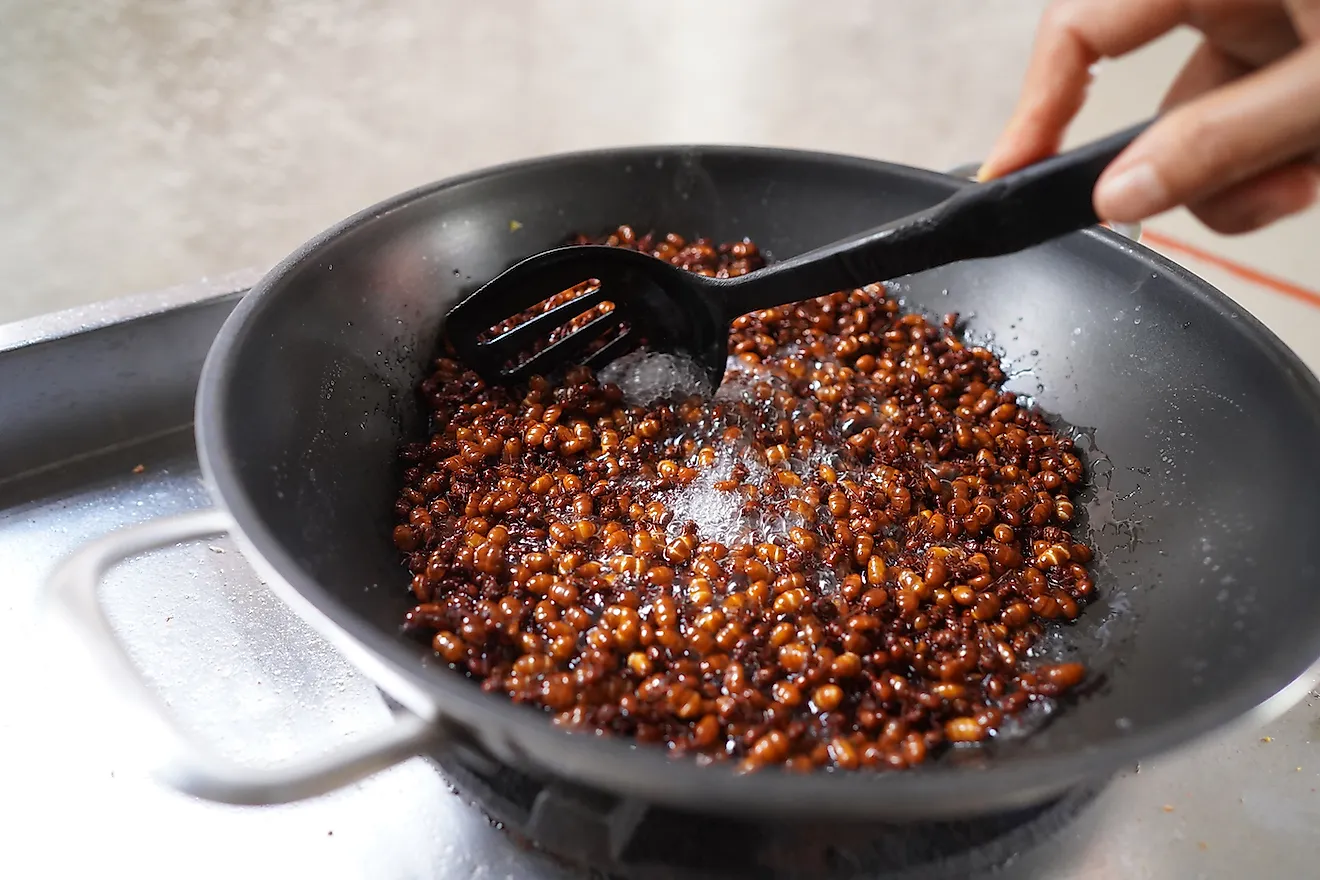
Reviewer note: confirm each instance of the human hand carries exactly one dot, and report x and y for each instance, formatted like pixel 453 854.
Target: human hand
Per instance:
pixel 1238 138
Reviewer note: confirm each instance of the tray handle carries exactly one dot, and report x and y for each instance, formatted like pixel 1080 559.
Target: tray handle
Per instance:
pixel 72 599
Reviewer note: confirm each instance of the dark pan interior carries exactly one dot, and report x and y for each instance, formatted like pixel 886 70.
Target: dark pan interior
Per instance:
pixel 1200 432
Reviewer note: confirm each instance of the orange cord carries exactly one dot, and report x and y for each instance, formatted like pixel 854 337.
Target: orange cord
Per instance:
pixel 1285 288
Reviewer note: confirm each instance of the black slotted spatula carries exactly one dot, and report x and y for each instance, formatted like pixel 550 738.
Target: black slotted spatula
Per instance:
pixel 680 311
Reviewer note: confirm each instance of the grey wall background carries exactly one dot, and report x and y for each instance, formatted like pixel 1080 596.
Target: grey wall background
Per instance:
pixel 147 143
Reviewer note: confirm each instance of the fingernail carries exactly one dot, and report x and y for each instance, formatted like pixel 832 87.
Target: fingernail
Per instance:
pixel 1130 195
pixel 989 168
pixel 994 158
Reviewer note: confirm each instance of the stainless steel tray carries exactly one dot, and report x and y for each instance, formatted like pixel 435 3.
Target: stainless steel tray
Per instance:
pixel 95 433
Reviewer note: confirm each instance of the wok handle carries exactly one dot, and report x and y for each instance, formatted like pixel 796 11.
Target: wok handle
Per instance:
pixel 72 599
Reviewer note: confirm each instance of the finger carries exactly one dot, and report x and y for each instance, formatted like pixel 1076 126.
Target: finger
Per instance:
pixel 1264 119
pixel 1260 201
pixel 1208 68
pixel 1256 32
pixel 1073 36
pixel 1305 15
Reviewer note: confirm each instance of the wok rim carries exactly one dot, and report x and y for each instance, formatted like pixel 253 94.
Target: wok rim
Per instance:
pixel 932 790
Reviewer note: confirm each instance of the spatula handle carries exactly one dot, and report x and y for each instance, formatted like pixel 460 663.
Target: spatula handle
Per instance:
pixel 1032 205
pixel 1002 216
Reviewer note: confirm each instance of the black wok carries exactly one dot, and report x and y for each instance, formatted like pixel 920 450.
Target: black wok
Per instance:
pixel 1202 431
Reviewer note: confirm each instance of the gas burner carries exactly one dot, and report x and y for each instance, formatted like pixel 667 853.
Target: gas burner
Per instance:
pixel 592 834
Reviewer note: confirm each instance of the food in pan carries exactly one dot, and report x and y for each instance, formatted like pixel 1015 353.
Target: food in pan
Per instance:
pixel 839 561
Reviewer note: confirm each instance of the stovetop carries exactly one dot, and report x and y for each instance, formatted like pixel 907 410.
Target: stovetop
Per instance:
pixel 592 834
pixel 249 677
